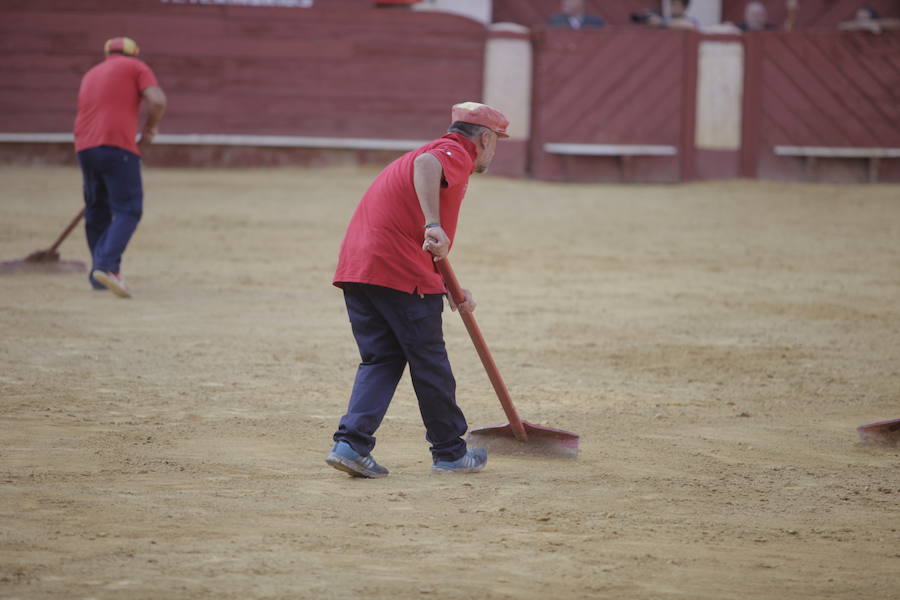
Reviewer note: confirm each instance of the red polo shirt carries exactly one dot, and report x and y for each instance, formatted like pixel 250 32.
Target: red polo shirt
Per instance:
pixel 109 101
pixel 383 243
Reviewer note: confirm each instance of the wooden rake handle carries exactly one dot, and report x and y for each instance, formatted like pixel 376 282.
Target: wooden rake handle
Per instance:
pixel 66 232
pixel 483 352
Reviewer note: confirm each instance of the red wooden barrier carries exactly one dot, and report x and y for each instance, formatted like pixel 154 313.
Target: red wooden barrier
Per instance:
pixel 327 72
pixel 823 90
pixel 368 73
pixel 624 86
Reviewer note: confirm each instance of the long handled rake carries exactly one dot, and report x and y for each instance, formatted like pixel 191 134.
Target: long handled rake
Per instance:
pixel 518 436
pixel 47 261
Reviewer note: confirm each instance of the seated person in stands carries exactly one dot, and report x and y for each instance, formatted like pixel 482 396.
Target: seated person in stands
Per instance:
pixel 868 19
pixel 756 18
pixel 574 16
pixel 678 19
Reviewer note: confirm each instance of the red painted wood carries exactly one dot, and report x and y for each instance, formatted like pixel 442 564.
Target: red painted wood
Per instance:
pixel 333 72
pixel 818 89
pixel 751 105
pixel 714 164
pixel 687 150
pixel 355 71
pixel 825 89
pixel 608 87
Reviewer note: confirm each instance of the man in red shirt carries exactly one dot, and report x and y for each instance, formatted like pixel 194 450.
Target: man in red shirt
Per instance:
pixel 404 223
pixel 109 101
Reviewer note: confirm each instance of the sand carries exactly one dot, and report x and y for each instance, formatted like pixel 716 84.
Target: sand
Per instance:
pixel 714 344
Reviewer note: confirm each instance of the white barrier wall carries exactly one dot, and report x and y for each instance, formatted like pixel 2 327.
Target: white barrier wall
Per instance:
pixel 720 88
pixel 507 76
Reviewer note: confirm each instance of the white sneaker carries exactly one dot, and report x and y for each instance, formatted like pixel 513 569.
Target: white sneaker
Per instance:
pixel 113 282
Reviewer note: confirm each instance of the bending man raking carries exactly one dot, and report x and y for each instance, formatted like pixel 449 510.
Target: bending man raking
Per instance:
pixel 405 222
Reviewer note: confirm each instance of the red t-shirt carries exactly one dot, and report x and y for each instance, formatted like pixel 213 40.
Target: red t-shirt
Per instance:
pixel 109 101
pixel 383 243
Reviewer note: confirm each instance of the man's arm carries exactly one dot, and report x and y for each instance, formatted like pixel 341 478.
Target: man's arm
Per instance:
pixel 155 101
pixel 427 173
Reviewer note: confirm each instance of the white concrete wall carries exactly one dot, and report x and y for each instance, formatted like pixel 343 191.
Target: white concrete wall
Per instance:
pixel 507 77
pixel 720 88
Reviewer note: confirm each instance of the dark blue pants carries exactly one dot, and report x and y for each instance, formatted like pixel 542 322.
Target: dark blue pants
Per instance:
pixel 393 328
pixel 113 201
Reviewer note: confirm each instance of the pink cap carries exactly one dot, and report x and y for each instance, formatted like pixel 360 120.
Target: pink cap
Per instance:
pixel 480 114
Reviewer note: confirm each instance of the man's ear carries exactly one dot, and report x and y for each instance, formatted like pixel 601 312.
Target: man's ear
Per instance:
pixel 484 137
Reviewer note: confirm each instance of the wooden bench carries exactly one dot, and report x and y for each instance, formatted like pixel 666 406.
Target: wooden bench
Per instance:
pixel 623 152
pixel 813 153
pixel 262 141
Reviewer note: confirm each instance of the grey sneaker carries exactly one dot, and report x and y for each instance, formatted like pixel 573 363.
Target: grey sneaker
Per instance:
pixel 471 462
pixel 344 458
pixel 113 282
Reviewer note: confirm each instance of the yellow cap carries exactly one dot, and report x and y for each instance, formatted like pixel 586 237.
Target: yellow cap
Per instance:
pixel 122 45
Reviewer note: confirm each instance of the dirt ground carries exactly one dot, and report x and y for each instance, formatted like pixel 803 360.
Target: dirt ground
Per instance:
pixel 715 345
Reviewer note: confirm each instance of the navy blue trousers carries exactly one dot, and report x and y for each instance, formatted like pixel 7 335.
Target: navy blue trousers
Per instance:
pixel 113 202
pixel 393 329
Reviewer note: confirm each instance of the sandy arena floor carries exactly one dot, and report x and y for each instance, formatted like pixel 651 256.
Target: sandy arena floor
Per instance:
pixel 714 344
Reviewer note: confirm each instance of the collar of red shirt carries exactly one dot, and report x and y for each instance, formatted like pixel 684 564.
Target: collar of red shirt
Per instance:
pixel 466 143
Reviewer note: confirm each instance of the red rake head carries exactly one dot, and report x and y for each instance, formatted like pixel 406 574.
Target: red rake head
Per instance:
pixel 885 433
pixel 541 441
pixel 42 262
pixel 42 256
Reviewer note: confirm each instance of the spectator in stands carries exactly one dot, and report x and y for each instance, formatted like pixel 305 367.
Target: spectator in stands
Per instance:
pixel 677 19
pixel 109 101
pixel 574 16
pixel 755 18
pixel 868 19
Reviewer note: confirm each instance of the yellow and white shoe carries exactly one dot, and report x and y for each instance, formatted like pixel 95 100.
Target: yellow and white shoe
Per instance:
pixel 113 282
